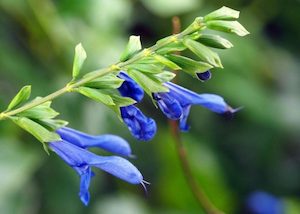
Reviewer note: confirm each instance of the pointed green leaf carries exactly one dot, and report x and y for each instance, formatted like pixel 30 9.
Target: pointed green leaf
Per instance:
pixel 146 68
pixel 79 58
pixel 228 26
pixel 109 81
pixel 165 76
pixel 39 112
pixel 96 95
pixel 215 41
pixel 37 130
pixel 188 65
pixel 53 124
pixel 175 46
pixel 122 101
pixel 21 96
pixel 133 46
pixel 149 84
pixel 203 52
pixel 167 62
pixel 224 13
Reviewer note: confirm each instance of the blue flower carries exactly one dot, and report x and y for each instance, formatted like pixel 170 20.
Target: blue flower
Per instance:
pixel 108 142
pixel 140 126
pixel 81 160
pixel 260 202
pixel 130 88
pixel 176 103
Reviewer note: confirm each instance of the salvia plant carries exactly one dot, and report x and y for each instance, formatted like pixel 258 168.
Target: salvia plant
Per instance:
pixel 120 86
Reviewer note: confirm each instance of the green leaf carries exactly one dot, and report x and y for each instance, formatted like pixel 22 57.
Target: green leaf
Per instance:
pixel 175 46
pixel 148 83
pixel 96 95
pixel 146 68
pixel 79 58
pixel 165 76
pixel 37 130
pixel 190 66
pixel 215 41
pixel 133 46
pixel 21 96
pixel 224 13
pixel 203 52
pixel 167 62
pixel 109 81
pixel 53 124
pixel 228 26
pixel 122 101
pixel 39 112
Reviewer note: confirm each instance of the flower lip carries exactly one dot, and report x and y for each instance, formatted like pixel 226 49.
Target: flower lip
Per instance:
pixel 108 142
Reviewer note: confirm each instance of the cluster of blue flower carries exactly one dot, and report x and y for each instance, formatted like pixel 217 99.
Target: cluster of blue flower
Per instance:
pixel 175 104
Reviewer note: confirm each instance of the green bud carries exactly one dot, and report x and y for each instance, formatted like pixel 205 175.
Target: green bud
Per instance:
pixel 165 76
pixel 215 41
pixel 53 124
pixel 148 82
pixel 167 62
pixel 224 13
pixel 39 112
pixel 109 81
pixel 133 46
pixel 228 26
pixel 190 66
pixel 79 58
pixel 20 97
pixel 146 68
pixel 203 52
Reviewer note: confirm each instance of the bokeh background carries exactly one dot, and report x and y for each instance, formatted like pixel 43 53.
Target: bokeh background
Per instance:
pixel 257 151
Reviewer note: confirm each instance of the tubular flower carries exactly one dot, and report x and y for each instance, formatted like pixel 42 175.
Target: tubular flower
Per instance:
pixel 140 126
pixel 204 76
pixel 108 142
pixel 176 103
pixel 81 160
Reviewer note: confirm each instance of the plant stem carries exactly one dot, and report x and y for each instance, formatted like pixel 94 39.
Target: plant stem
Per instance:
pixel 195 188
pixel 101 72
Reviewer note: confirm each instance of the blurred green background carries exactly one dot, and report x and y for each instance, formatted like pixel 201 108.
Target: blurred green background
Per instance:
pixel 258 150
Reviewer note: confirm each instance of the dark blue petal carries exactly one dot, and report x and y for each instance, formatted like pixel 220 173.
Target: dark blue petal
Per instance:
pixel 120 168
pixel 168 105
pixel 183 120
pixel 110 143
pixel 130 88
pixel 140 126
pixel 204 76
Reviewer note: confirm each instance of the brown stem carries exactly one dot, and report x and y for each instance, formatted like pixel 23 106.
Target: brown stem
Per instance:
pixel 195 188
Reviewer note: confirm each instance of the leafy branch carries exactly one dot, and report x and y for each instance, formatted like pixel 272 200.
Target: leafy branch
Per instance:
pixel 149 67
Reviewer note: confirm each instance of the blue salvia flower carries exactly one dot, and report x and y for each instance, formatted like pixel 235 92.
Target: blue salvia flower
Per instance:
pixel 108 142
pixel 81 160
pixel 140 126
pixel 176 103
pixel 260 202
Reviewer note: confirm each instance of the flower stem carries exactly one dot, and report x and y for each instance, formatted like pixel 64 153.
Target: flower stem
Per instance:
pixel 195 188
pixel 95 74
